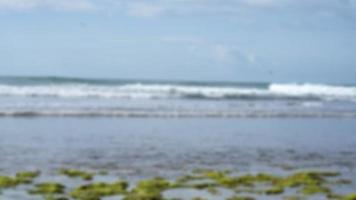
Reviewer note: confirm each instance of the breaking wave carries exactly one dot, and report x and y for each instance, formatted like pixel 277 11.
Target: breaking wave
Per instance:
pixel 176 91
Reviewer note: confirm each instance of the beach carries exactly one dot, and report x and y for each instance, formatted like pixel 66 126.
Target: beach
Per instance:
pixel 134 149
pixel 177 100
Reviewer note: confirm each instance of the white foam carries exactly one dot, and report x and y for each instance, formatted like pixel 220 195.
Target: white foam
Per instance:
pixel 168 91
pixel 314 90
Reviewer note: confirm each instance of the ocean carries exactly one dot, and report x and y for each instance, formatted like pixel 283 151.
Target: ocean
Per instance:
pixel 137 130
pixel 62 97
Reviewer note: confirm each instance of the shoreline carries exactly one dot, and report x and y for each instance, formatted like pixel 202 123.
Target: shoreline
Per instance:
pixel 76 184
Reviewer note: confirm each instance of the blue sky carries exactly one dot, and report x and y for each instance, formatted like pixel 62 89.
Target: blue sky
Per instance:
pixel 222 40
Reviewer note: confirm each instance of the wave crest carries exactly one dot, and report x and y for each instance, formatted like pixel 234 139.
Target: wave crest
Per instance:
pixel 170 91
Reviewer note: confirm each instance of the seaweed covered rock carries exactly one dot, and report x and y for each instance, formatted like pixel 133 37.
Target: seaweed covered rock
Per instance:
pixel 20 178
pixel 240 198
pixel 27 176
pixel 96 190
pixel 275 190
pixel 350 197
pixel 314 189
pixel 310 182
pixel 52 197
pixel 305 179
pixel 74 173
pixel 48 188
pixel 224 179
pixel 149 190
pixel 6 182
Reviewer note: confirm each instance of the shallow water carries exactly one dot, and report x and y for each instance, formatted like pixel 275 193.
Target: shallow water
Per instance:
pixel 137 148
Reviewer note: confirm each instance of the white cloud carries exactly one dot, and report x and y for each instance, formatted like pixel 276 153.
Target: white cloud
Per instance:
pixel 231 55
pixel 142 9
pixel 47 4
pixel 220 53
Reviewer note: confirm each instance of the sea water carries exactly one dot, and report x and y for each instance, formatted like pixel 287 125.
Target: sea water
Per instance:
pixel 142 129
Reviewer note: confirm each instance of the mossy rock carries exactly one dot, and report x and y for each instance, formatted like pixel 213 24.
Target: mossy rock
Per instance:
pixel 7 182
pixel 350 197
pixel 96 190
pixel 20 178
pixel 275 190
pixel 157 184
pixel 48 188
pixel 188 178
pixel 144 195
pixel 201 186
pixel 215 174
pixel 224 179
pixel 240 198
pixel 199 198
pixel 305 179
pixel 88 195
pixel 27 176
pixel 52 197
pixel 248 180
pixel 315 189
pixel 149 189
pixel 74 173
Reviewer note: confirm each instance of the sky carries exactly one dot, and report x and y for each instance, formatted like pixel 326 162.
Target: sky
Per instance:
pixel 201 40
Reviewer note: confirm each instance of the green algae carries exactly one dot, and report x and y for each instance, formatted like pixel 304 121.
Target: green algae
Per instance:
pixel 27 177
pixel 158 184
pixel 144 195
pixel 306 183
pixel 246 180
pixel 275 190
pixel 149 189
pixel 198 198
pixel 74 173
pixel 20 178
pixel 188 178
pixel 7 182
pixel 309 182
pixel 96 190
pixel 314 189
pixel 47 188
pixel 52 197
pixel 240 198
pixel 201 186
pixel 299 179
pixel 350 197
